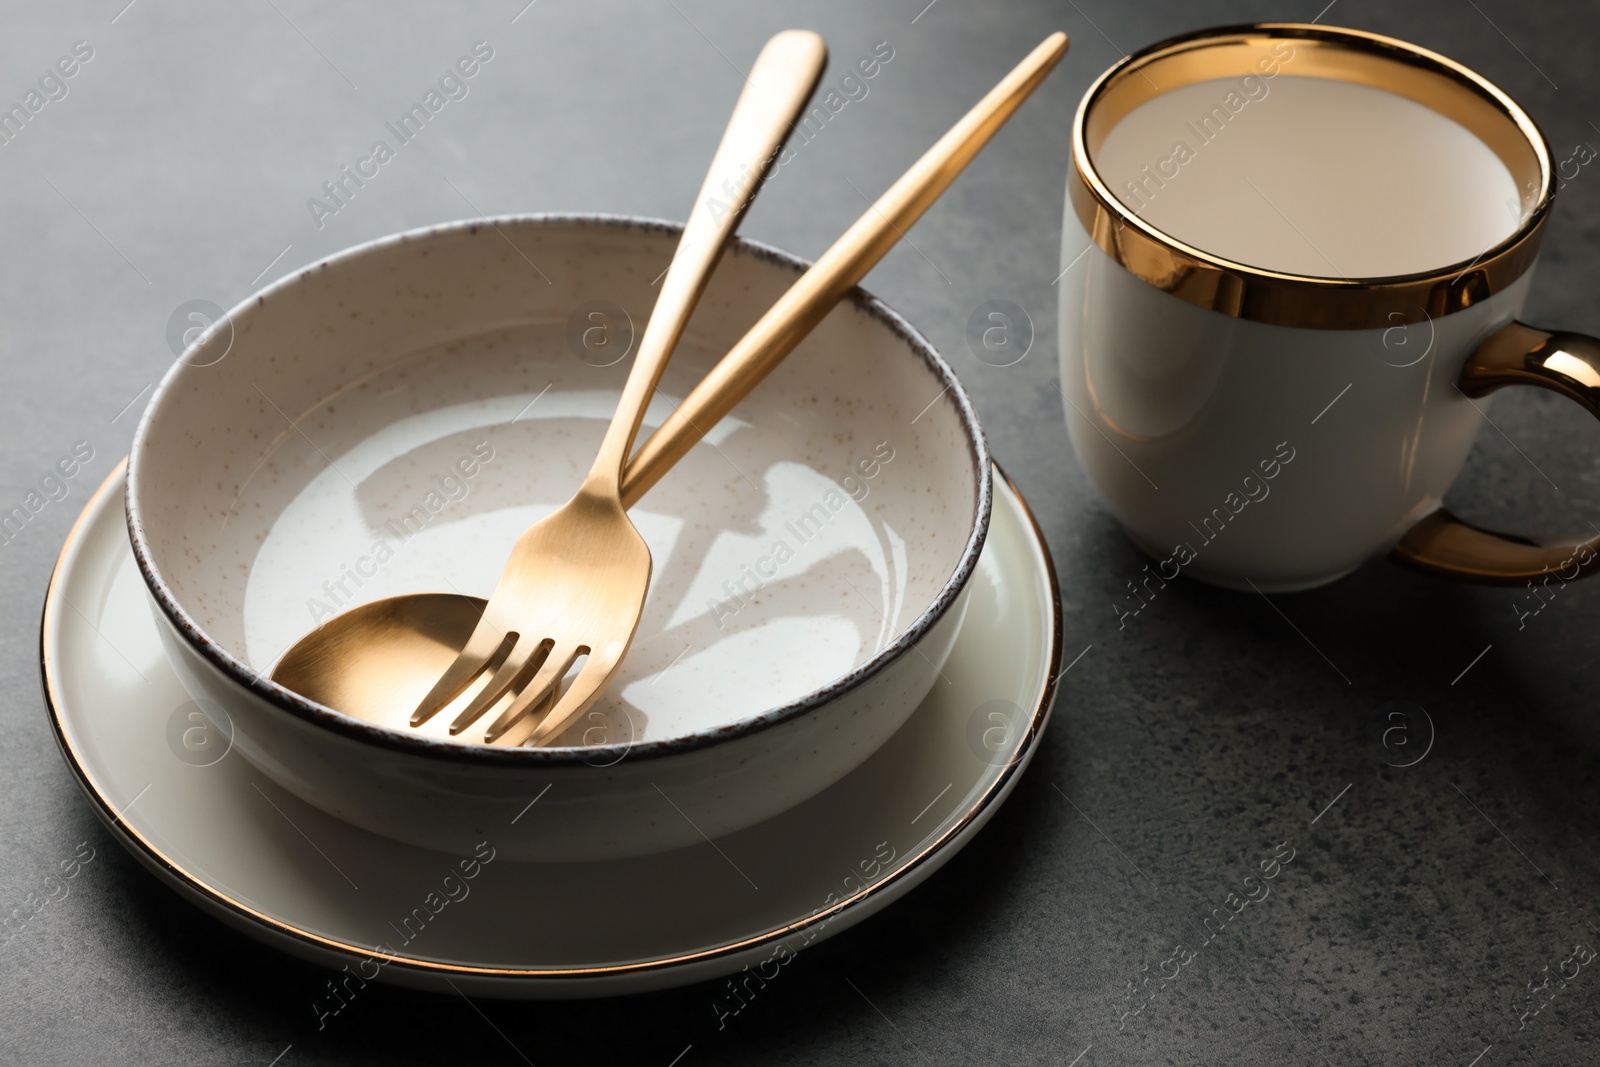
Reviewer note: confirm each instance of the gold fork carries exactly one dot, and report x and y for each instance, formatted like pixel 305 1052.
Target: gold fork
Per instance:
pixel 583 571
pixel 575 583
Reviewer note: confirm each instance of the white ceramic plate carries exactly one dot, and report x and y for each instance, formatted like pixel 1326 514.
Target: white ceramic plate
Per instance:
pixel 295 878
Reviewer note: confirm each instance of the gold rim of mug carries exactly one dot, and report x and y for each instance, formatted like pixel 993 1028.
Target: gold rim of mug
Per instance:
pixel 1308 301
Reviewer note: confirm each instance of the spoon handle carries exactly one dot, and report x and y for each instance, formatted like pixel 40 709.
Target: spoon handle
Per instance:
pixel 805 305
pixel 780 83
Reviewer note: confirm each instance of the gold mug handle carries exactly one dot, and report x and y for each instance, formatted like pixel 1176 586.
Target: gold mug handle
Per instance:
pixel 1440 543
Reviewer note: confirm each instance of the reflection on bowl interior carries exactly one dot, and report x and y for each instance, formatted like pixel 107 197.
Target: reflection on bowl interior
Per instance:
pixel 755 557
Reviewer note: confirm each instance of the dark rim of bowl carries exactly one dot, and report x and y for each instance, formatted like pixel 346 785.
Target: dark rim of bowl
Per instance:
pixel 598 756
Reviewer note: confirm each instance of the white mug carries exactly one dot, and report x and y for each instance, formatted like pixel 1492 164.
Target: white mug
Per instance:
pixel 1203 396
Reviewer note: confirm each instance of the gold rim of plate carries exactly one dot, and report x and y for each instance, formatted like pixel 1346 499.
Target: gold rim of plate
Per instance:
pixel 143 846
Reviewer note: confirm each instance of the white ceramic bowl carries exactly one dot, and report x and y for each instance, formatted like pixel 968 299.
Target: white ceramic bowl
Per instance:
pixel 390 419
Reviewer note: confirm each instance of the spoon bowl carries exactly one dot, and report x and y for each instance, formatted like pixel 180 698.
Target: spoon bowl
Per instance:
pixel 378 660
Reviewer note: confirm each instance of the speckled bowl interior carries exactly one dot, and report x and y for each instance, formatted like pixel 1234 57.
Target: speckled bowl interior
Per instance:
pixel 389 421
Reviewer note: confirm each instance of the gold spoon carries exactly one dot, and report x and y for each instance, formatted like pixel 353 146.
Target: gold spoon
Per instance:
pixel 378 660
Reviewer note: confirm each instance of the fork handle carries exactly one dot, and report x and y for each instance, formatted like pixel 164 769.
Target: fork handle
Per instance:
pixel 810 299
pixel 780 83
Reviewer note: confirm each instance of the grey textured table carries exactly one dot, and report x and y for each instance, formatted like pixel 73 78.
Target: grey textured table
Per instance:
pixel 1422 901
